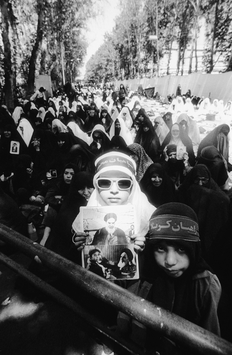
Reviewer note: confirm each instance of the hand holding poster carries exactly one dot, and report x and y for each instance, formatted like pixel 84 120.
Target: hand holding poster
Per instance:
pixel 109 250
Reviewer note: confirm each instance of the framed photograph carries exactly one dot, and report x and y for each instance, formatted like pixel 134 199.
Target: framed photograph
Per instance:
pixel 109 250
pixel 14 147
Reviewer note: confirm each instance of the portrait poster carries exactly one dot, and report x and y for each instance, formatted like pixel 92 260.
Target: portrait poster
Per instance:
pixel 109 250
pixel 14 147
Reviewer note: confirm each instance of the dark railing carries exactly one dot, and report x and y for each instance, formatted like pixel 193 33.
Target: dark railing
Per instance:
pixel 184 333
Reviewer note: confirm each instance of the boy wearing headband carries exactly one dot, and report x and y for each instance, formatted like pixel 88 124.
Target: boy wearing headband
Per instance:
pixel 174 275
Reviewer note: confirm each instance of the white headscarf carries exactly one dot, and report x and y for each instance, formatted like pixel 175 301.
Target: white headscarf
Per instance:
pixel 25 130
pixel 126 116
pixel 79 133
pixel 142 207
pixel 99 127
pixel 41 113
pixel 61 127
pixel 17 114
pixel 162 129
pixel 125 133
pixel 51 109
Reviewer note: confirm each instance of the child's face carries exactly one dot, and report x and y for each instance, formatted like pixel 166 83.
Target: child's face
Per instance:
pixel 114 187
pixel 171 258
pixel 68 175
pixel 96 256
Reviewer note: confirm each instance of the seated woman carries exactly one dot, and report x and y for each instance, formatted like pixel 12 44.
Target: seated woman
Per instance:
pixel 161 128
pixel 189 127
pixel 60 239
pixel 182 141
pixel 147 137
pixel 219 138
pixel 175 168
pixel 210 203
pixel 101 141
pixel 217 166
pixel 158 186
pixel 105 119
pixel 142 160
pixel 54 198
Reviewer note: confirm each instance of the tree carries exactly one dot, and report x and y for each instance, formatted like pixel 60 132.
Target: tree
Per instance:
pixel 197 13
pixel 101 66
pixel 8 24
pixel 218 33
pixel 40 7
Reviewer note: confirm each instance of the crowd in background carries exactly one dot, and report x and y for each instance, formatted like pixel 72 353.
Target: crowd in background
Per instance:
pixel 48 148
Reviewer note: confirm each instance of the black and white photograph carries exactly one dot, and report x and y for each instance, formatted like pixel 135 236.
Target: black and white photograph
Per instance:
pixel 109 246
pixel 115 177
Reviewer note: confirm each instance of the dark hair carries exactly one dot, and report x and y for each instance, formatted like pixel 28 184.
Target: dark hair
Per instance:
pixel 91 252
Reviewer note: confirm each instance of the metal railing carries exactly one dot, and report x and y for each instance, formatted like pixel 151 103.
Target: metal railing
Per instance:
pixel 186 334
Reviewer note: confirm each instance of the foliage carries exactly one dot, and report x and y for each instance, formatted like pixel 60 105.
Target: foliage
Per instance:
pixel 46 37
pixel 175 23
pixel 43 28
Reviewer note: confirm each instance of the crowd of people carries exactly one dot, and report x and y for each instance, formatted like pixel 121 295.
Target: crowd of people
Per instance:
pixel 98 147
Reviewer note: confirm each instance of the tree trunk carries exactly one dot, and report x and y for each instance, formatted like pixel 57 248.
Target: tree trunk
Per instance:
pixel 229 65
pixel 169 58
pixel 35 50
pixel 211 63
pixel 191 59
pixel 196 57
pixel 178 59
pixel 183 61
pixel 10 80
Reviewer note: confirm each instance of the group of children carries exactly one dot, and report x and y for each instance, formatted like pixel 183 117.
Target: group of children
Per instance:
pixel 173 274
pixel 165 237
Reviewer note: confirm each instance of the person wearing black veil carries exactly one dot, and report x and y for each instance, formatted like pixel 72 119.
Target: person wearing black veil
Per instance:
pixel 60 239
pixel 175 277
pixel 158 186
pixel 210 203
pixel 182 141
pixel 146 136
pixel 218 138
pixel 118 143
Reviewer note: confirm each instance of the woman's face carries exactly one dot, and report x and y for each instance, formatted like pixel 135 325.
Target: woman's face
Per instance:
pixel 145 128
pixel 7 134
pixel 68 175
pixel 60 143
pixel 156 180
pixel 97 137
pixel 117 124
pixel 86 192
pixel 91 112
pixel 175 131
pixel 172 259
pixel 201 181
pixel 114 188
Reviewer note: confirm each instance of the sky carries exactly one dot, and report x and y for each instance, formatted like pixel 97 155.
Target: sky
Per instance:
pixel 97 27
